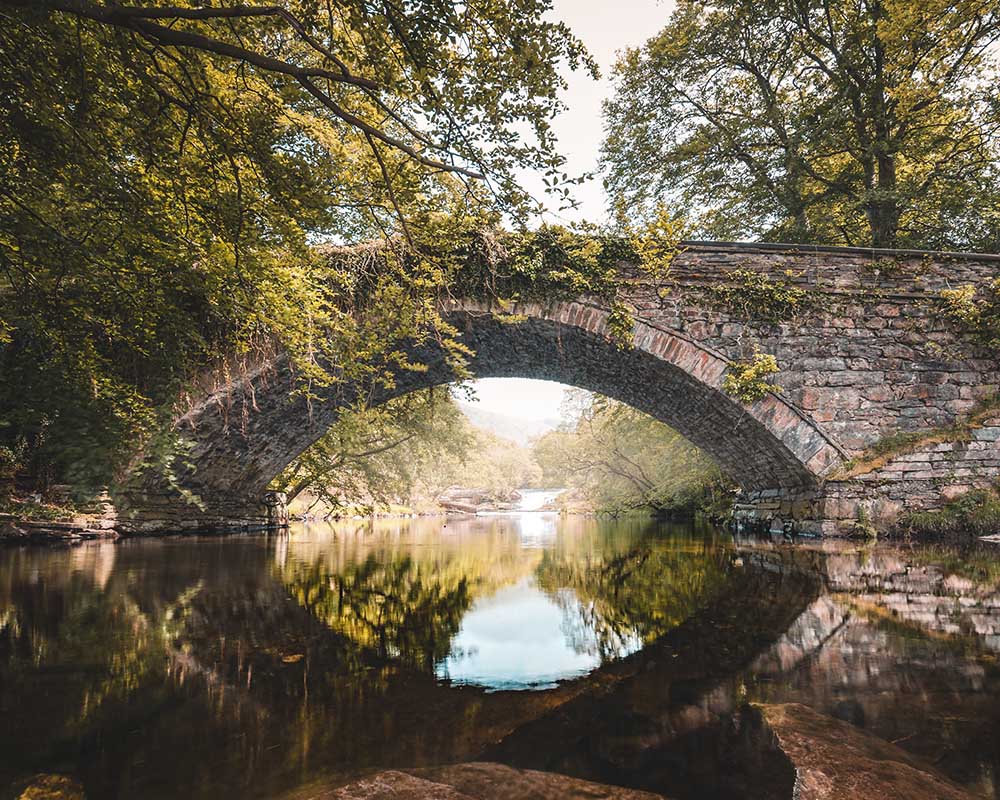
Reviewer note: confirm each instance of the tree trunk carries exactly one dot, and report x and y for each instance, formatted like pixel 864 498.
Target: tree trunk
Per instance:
pixel 883 208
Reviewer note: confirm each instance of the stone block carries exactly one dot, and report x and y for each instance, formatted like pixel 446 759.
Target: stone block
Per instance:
pixel 878 393
pixel 855 378
pixel 824 364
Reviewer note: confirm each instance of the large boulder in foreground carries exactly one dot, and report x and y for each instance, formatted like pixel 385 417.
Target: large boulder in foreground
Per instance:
pixel 485 780
pixel 819 758
pixel 834 760
pixel 475 781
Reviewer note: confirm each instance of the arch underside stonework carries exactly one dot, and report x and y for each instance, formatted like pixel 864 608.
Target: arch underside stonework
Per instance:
pixel 767 447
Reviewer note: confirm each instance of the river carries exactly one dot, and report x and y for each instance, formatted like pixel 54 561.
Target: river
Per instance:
pixel 610 650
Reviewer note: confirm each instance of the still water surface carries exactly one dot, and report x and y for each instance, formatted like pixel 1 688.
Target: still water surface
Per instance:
pixel 613 650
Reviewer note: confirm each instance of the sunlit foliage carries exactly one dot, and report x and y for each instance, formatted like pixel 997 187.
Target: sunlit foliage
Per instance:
pixel 403 455
pixel 820 121
pixel 751 380
pixel 375 457
pixel 976 312
pixel 621 459
pixel 165 171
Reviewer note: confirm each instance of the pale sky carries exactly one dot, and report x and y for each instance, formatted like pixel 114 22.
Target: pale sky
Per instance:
pixel 520 397
pixel 605 26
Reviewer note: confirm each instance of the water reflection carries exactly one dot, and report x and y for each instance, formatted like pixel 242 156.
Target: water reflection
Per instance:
pixel 536 529
pixel 502 601
pixel 521 637
pixel 194 666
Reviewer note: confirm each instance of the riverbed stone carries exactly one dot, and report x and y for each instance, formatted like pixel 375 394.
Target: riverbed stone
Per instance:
pixel 52 787
pixel 388 785
pixel 472 781
pixel 834 760
pixel 486 781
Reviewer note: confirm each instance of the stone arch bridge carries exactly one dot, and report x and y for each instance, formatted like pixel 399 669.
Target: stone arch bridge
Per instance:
pixel 869 357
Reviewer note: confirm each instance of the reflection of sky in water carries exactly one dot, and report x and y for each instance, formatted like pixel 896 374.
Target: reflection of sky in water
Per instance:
pixel 534 528
pixel 521 638
pixel 537 529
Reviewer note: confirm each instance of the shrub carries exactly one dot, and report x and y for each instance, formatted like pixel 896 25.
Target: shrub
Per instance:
pixel 749 381
pixel 977 513
pixel 753 296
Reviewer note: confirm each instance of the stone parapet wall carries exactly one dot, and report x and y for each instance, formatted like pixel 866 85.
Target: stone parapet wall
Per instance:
pixel 837 268
pixel 871 358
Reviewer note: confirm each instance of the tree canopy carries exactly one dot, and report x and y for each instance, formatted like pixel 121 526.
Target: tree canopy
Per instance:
pixel 618 459
pixel 826 121
pixel 404 453
pixel 166 170
pixel 375 457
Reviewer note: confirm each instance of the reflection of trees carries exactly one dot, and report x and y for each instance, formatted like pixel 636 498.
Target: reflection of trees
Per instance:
pixel 106 643
pixel 73 658
pixel 401 599
pixel 397 608
pixel 286 661
pixel 610 599
pixel 125 679
pixel 400 595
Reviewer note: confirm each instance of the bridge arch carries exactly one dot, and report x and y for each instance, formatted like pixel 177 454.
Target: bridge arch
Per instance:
pixel 768 445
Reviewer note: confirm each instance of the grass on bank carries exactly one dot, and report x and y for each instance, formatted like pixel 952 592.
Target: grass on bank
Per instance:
pixel 975 513
pixel 880 453
pixel 28 508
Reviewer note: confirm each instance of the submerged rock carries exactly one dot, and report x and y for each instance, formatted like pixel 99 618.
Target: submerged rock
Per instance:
pixel 52 787
pixel 388 785
pixel 834 760
pixel 473 781
pixel 485 780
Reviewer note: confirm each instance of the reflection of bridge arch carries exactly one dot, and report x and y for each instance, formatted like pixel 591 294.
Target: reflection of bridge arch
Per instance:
pixel 835 363
pixel 679 592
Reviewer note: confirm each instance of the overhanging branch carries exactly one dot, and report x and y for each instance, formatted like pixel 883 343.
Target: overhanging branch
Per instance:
pixel 139 20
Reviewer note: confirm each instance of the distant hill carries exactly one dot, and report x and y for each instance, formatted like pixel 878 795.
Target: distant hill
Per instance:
pixel 516 429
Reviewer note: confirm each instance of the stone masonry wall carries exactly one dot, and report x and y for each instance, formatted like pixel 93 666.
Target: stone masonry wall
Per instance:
pixel 917 480
pixel 873 358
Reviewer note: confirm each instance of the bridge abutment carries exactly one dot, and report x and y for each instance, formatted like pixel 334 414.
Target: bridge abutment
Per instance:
pixel 150 512
pixel 882 491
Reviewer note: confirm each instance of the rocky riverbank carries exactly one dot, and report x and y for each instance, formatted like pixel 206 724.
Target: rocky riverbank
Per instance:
pixel 31 531
pixel 818 758
pixel 461 500
pixel 25 520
